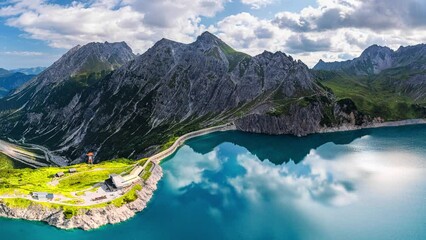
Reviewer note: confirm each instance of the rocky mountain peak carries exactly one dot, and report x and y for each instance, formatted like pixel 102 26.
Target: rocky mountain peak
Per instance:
pixel 93 57
pixel 376 51
pixel 208 38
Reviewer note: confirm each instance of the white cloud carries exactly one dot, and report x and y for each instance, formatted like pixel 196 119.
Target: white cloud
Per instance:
pixel 250 34
pixel 334 30
pixel 140 23
pixel 257 4
pixel 21 53
pixel 378 15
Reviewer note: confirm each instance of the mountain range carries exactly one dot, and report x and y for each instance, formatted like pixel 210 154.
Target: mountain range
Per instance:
pixel 101 97
pixel 381 81
pixel 377 59
pixel 29 71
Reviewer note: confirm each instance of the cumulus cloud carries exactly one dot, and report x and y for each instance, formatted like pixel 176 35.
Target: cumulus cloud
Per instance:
pixel 140 23
pixel 301 43
pixel 256 4
pixel 378 15
pixel 333 30
pixel 249 33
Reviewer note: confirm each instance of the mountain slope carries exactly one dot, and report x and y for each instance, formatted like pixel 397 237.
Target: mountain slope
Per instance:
pixel 3 72
pixel 171 89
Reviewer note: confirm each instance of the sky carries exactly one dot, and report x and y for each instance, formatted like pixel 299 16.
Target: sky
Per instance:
pixel 37 32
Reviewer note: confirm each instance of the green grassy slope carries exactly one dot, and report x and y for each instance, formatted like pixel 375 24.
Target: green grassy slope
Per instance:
pixel 21 182
pixel 25 181
pixel 5 162
pixel 375 95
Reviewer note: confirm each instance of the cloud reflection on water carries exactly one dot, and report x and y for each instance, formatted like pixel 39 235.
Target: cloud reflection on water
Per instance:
pixel 230 171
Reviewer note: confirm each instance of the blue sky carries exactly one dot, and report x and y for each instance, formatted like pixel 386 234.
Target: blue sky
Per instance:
pixel 37 32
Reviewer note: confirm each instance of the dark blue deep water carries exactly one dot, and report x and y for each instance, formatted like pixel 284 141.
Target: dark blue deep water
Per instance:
pixel 367 184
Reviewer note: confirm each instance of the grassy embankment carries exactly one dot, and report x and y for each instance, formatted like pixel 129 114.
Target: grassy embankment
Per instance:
pixel 21 182
pixel 5 162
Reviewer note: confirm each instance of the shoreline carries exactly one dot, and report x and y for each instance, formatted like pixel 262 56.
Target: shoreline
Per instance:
pixel 348 127
pixel 97 217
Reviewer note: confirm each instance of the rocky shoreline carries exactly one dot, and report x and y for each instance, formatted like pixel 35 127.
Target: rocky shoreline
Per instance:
pixel 351 127
pixel 90 219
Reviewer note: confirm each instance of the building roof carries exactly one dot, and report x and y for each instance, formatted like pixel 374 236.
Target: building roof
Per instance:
pixel 42 195
pixel 124 181
pixel 39 193
pixel 136 171
pixel 118 181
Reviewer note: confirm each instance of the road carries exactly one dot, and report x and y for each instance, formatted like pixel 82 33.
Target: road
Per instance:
pixel 181 140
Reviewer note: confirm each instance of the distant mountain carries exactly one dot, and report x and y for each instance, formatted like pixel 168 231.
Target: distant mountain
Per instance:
pixel 3 72
pixel 375 59
pixel 11 81
pixel 382 82
pixel 86 101
pixel 29 71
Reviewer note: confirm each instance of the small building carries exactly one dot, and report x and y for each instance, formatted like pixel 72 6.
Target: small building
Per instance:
pixel 59 174
pixel 72 170
pixel 42 196
pixel 120 182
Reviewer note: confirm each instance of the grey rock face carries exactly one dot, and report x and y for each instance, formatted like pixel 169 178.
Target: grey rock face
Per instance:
pixel 415 87
pixel 171 89
pixel 93 57
pixel 300 122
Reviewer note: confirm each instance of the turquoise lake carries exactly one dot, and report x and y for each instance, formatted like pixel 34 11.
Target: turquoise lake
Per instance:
pixel 366 184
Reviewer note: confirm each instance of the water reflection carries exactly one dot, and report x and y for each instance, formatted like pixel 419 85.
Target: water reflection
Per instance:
pixel 347 177
pixel 289 147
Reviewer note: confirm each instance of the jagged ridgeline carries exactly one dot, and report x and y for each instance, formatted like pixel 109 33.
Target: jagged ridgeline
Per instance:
pixel 101 97
pixel 382 82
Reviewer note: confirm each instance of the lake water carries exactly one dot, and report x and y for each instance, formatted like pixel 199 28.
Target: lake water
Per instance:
pixel 367 184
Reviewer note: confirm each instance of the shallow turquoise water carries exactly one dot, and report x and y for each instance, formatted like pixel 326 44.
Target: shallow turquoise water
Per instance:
pixel 368 184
